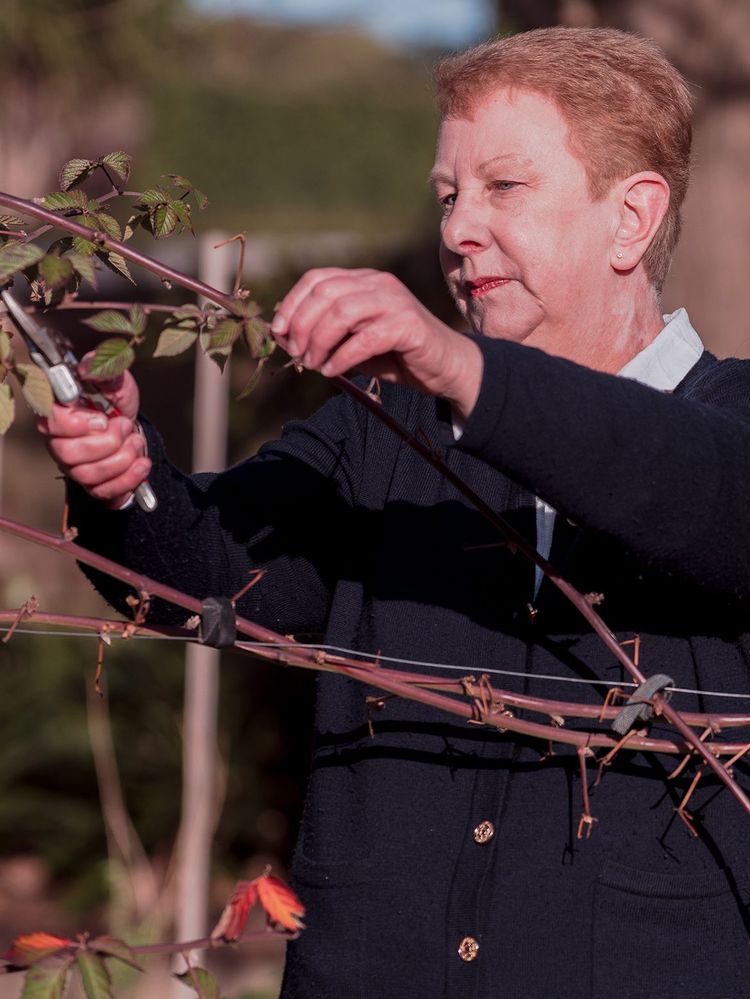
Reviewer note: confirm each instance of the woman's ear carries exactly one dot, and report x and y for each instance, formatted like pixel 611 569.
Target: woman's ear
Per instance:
pixel 645 199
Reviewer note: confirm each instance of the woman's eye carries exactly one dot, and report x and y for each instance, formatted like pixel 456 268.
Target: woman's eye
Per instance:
pixel 446 203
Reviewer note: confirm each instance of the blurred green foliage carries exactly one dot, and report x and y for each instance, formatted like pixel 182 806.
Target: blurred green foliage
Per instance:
pixel 287 131
pixel 48 793
pixel 350 162
pixel 292 130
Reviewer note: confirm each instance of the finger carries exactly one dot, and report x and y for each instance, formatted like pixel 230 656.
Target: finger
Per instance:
pixel 118 466
pixel 72 421
pixel 281 325
pixel 72 451
pixel 117 490
pixel 369 350
pixel 332 310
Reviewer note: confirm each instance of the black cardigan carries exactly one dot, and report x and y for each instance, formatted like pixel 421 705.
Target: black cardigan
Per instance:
pixel 365 542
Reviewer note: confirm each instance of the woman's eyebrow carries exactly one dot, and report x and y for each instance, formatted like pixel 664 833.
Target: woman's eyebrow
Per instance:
pixel 503 159
pixel 487 166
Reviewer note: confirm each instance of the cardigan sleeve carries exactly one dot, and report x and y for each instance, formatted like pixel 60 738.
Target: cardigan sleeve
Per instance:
pixel 667 475
pixel 286 509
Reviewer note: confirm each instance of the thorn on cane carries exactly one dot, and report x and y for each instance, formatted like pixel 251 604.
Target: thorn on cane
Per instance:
pixel 373 390
pixel 586 820
pixel 258 575
pixel 375 703
pixel 25 610
pixel 681 809
pixel 613 694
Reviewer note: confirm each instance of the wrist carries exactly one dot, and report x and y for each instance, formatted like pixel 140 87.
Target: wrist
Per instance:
pixel 463 389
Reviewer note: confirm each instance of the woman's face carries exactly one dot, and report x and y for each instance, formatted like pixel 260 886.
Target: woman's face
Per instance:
pixel 525 250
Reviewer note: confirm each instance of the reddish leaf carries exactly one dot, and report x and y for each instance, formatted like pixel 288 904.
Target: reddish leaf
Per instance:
pixel 34 946
pixel 233 918
pixel 281 904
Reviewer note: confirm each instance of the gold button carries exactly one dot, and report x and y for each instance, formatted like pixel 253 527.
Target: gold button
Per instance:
pixel 468 949
pixel 484 832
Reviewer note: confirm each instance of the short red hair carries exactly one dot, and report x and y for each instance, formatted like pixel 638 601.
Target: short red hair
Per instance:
pixel 627 107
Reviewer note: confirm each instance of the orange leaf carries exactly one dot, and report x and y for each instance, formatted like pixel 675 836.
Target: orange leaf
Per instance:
pixel 33 947
pixel 281 904
pixel 233 918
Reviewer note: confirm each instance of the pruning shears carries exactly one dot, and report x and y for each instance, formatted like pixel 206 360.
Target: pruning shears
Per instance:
pixel 50 351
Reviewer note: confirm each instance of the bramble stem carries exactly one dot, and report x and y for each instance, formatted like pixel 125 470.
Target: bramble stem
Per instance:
pixel 583 606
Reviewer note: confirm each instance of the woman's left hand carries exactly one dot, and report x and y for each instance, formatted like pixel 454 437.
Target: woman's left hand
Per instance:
pixel 334 320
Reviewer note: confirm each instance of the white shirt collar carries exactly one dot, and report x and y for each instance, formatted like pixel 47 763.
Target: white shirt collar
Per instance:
pixel 669 357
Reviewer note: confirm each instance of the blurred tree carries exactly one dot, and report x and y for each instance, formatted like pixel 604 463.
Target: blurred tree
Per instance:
pixel 71 72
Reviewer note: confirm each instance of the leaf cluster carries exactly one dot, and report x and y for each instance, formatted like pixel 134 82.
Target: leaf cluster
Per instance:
pixel 48 960
pixel 217 334
pixel 33 383
pixel 163 212
pixel 55 274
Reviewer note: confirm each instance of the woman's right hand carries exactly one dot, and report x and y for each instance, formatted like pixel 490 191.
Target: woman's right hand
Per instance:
pixel 105 455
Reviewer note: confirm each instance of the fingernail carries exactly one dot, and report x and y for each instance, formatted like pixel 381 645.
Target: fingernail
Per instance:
pixel 98 423
pixel 326 369
pixel 279 324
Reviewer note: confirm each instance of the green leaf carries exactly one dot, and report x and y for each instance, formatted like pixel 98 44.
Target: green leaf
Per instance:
pixel 179 181
pixel 152 197
pixel 84 246
pixel 201 981
pixel 223 335
pixel 117 263
pixel 220 357
pixel 164 220
pixel 56 271
pixel 107 224
pixel 74 172
pixel 16 257
pixel 11 222
pixel 137 319
pixel 111 358
pixel 253 380
pixel 245 307
pixel 255 332
pixel 188 311
pixel 58 201
pixel 7 407
pixel 87 247
pixel 132 224
pixel 36 388
pixel 182 210
pixel 97 983
pixel 110 321
pixel 46 980
pixel 201 198
pixel 173 341
pixel 111 947
pixel 119 162
pixel 83 264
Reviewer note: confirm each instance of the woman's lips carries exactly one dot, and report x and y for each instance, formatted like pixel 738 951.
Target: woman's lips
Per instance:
pixel 482 286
